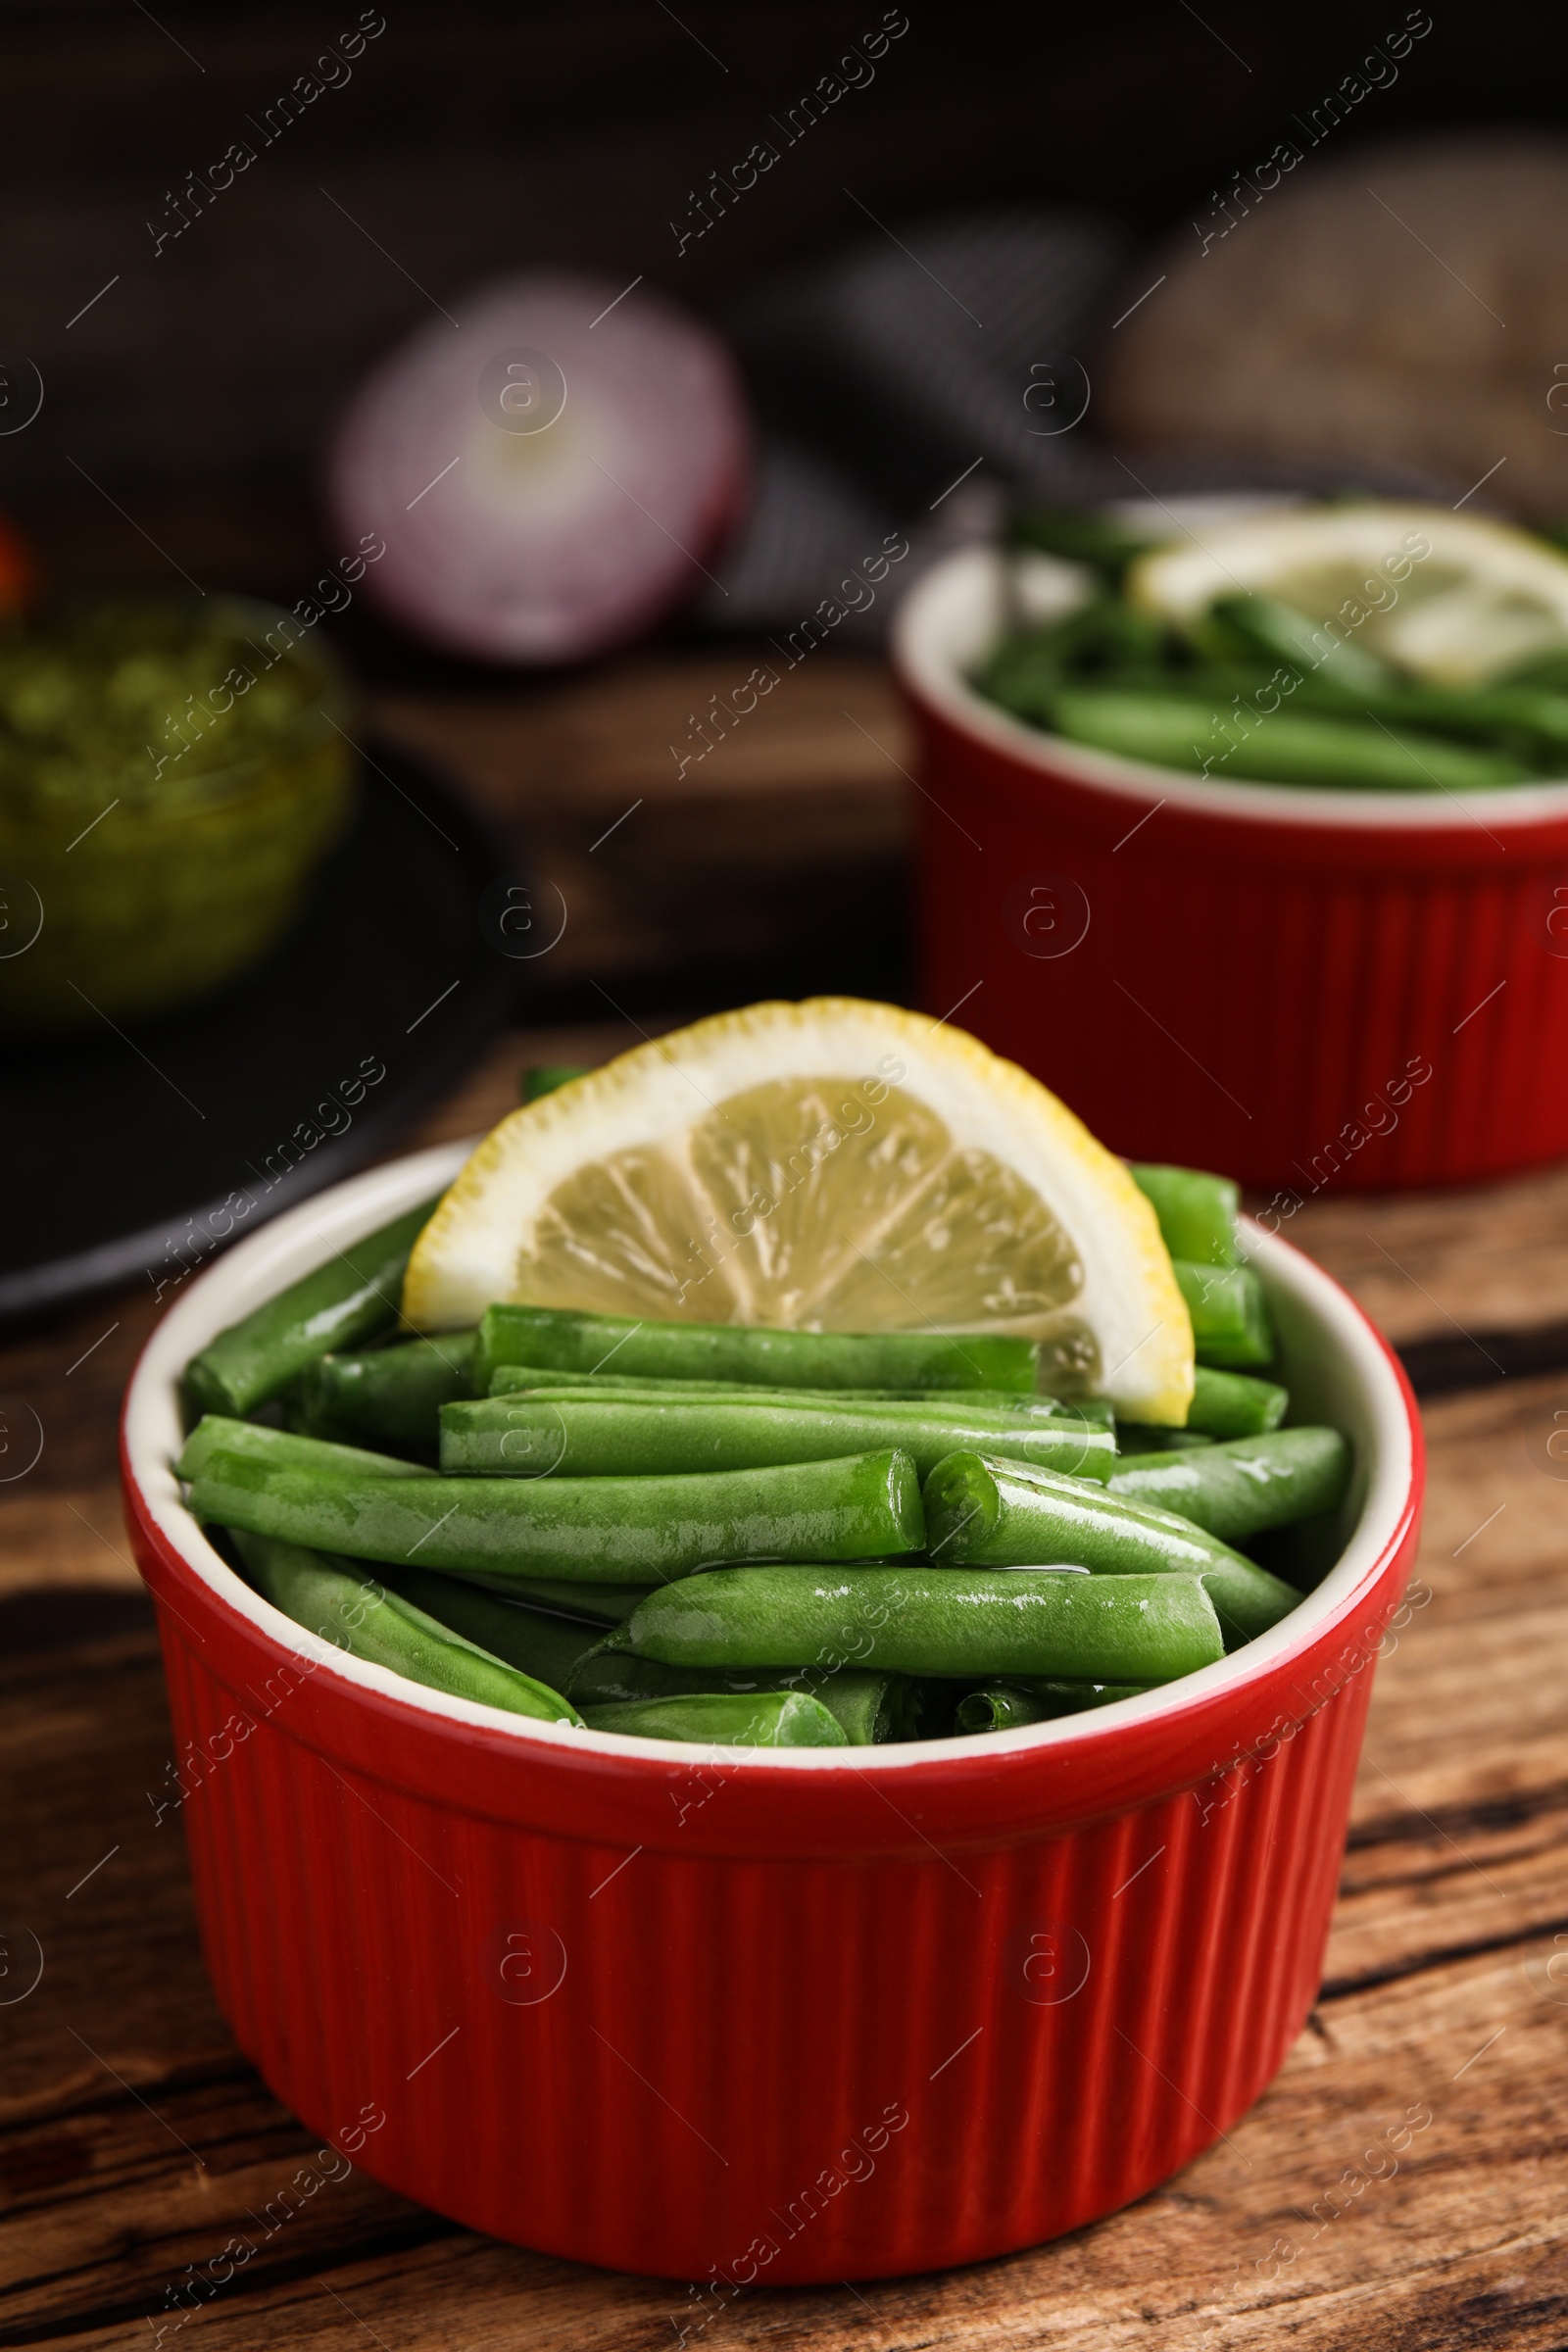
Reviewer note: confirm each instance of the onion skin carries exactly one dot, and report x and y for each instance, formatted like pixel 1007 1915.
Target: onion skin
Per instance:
pixel 536 543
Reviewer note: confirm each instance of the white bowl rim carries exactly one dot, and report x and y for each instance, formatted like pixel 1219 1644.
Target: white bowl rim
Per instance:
pixel 944 618
pixel 293 1243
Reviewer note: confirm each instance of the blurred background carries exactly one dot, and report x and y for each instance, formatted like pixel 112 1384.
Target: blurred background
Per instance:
pixel 190 386
pixel 862 275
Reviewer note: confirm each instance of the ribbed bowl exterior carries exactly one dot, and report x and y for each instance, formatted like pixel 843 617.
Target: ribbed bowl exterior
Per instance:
pixel 727 2023
pixel 1305 1005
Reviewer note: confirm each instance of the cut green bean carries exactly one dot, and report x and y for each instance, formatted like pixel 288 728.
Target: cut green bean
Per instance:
pixel 544 1077
pixel 1196 1213
pixel 1347 675
pixel 576 1437
pixel 1530 720
pixel 1080 534
pixel 1247 1600
pixel 550 1648
pixel 1093 1412
pixel 944 1622
pixel 612 1530
pixel 749 1354
pixel 1233 1405
pixel 985 1513
pixel 871 1708
pixel 353 1296
pixel 215 1433
pixel 1238 1488
pixel 1097 1412
pixel 1231 1322
pixel 1004 1706
pixel 1143 1437
pixel 1000 1708
pixel 1284 748
pixel 598 1605
pixel 389 1396
pixel 1262 625
pixel 355 1612
pixel 508 1380
pixel 714 1718
pixel 999 1405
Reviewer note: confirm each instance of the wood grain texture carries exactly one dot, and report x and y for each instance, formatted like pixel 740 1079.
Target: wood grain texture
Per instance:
pixel 791 828
pixel 1456 1265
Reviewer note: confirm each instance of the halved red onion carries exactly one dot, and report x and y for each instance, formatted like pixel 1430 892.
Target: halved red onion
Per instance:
pixel 550 476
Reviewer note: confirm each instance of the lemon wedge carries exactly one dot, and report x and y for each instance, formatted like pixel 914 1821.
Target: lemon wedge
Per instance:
pixel 1481 600
pixel 831 1165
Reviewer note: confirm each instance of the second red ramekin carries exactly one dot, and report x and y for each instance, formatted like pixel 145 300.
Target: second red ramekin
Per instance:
pixel 1303 987
pixel 727 2015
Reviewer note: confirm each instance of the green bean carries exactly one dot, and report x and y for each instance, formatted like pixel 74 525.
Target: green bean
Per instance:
pixel 1357 681
pixel 1000 1708
pixel 1146 1437
pixel 568 1598
pixel 1247 1483
pixel 1064 1425
pixel 1006 1406
pixel 1196 1213
pixel 985 1513
pixel 1515 716
pixel 1515 702
pixel 344 1302
pixel 1247 1600
pixel 578 1437
pixel 509 1380
pixel 1096 1412
pixel 769 1719
pixel 543 1078
pixel 609 1674
pixel 1080 534
pixel 1231 1322
pixel 215 1433
pixel 550 1648
pixel 1279 632
pixel 738 1352
pixel 388 1394
pixel 1282 746
pixel 614 1529
pixel 1004 1706
pixel 1202 688
pixel 944 1622
pixel 1232 1404
pixel 337 1599
pixel 512 1380
pixel 870 1708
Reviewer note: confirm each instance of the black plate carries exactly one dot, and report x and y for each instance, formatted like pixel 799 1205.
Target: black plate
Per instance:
pixel 137 1156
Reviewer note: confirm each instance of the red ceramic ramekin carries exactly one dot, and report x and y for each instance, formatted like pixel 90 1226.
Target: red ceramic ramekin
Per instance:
pixel 1303 987
pixel 725 2016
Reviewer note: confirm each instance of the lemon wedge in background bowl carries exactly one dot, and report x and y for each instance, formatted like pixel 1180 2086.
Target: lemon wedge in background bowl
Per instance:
pixel 832 1165
pixel 1454 600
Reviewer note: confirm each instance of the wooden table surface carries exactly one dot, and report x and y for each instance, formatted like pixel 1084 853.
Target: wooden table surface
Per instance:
pixel 134 2139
